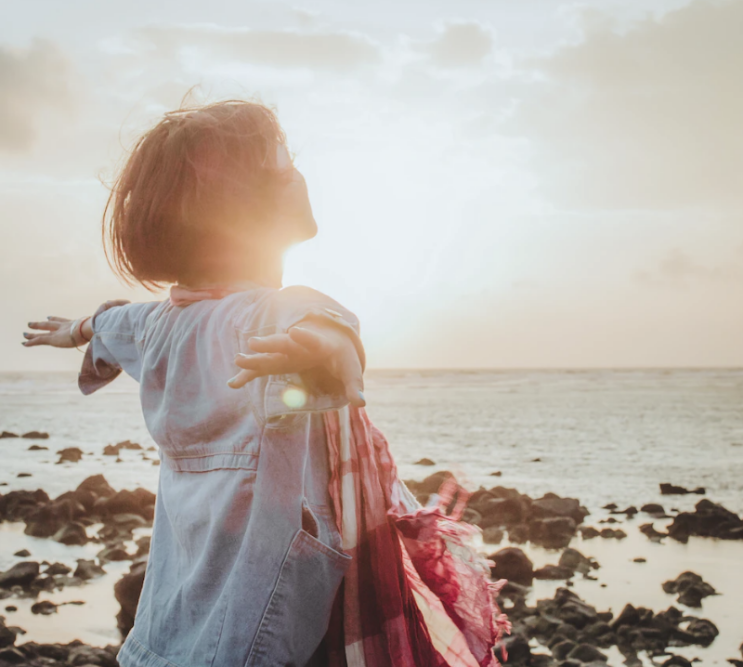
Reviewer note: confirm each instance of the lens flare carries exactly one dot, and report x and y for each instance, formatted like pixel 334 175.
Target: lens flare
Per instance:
pixel 294 398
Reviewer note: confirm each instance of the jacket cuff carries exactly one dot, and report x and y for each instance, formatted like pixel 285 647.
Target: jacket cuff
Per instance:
pixel 97 370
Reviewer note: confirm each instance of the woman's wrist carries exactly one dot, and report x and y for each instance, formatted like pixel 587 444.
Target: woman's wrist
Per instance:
pixel 81 331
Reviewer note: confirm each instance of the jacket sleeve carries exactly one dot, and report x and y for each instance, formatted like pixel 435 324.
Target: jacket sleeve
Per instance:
pixel 297 304
pixel 117 344
pixel 315 390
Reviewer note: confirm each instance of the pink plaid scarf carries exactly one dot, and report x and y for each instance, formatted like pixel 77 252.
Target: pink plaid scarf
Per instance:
pixel 416 593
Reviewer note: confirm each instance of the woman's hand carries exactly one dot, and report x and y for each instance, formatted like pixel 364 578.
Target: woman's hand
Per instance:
pixel 61 332
pixel 58 330
pixel 304 347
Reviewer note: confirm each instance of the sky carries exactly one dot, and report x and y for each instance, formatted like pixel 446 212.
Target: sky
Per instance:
pixel 498 183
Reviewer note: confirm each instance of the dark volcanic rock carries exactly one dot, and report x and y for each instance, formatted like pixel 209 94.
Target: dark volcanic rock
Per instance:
pixel 613 533
pixel 554 572
pixel 629 512
pixel 677 661
pixel 519 534
pixel 71 533
pixel 44 607
pixel 139 501
pixel 518 649
pixel 12 656
pixel 23 553
pixel 568 608
pixel 576 561
pixel 551 505
pixel 500 512
pixel 513 564
pixel 492 535
pixel 98 485
pixel 36 435
pixel 700 631
pixel 113 553
pixel 72 454
pixel 654 535
pixel 562 648
pixel 37 448
pixel 654 509
pixel 21 574
pixel 16 505
pixel 553 533
pixel 691 589
pixel 431 484
pixel 58 568
pixel 425 462
pixel 85 656
pixel 49 519
pixel 113 450
pixel 8 434
pixel 87 569
pixel 143 546
pixel 549 521
pixel 7 636
pixel 127 591
pixel 708 520
pixel 667 489
pixel 586 653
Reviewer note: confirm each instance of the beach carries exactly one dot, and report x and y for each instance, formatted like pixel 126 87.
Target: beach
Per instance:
pixel 601 437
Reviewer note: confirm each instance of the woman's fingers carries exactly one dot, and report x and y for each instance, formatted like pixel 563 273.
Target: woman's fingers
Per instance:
pixel 35 339
pixel 275 344
pixel 316 344
pixel 241 379
pixel 47 325
pixel 346 366
pixel 270 364
pixel 350 374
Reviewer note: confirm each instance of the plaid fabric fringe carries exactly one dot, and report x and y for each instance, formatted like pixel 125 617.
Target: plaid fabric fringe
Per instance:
pixel 416 593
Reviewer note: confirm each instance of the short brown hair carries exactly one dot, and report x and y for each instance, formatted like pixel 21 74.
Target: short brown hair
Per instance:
pixel 182 178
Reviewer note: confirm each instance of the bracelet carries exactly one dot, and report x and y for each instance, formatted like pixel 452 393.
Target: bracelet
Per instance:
pixel 77 327
pixel 80 328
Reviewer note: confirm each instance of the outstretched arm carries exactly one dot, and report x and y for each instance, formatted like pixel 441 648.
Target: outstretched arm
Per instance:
pixel 62 332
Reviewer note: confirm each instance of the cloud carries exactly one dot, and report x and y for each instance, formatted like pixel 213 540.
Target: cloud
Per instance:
pixel 679 270
pixel 32 81
pixel 459 44
pixel 649 118
pixel 338 51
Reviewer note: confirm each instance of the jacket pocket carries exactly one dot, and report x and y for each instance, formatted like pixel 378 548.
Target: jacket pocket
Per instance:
pixel 298 612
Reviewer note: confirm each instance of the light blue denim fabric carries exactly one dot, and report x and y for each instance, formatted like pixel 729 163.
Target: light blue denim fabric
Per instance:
pixel 245 559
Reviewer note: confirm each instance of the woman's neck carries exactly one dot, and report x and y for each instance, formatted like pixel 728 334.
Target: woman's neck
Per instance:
pixel 267 269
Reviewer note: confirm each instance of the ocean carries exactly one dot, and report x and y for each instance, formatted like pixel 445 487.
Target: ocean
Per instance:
pixel 598 435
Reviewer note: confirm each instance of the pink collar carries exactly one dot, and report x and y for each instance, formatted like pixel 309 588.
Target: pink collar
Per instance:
pixel 180 295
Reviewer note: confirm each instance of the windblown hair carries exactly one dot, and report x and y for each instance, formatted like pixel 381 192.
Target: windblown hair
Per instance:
pixel 197 171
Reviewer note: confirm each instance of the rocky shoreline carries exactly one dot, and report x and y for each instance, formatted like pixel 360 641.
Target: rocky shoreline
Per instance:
pixel 570 631
pixel 563 630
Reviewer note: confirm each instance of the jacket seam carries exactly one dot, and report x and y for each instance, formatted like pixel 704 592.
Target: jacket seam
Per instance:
pixel 204 456
pixel 152 653
pixel 256 639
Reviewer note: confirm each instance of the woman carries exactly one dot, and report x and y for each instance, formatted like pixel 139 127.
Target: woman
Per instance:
pixel 247 552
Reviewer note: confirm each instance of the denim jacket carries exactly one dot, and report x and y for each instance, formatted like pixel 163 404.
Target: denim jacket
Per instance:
pixel 245 559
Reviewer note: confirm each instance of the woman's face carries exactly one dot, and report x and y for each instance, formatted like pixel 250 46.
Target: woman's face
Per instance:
pixel 295 217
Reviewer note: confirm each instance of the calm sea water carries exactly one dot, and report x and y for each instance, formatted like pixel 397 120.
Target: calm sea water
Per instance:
pixel 599 436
